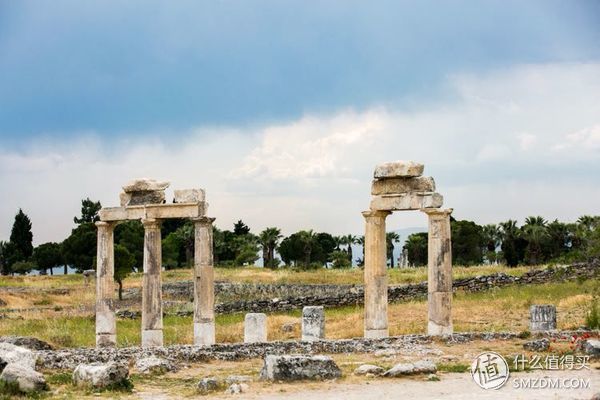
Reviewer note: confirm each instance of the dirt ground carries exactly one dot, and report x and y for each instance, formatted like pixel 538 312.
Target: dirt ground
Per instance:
pixel 451 386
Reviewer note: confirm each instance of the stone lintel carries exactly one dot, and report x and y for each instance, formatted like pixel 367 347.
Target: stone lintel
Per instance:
pixel 153 211
pixel 402 185
pixel 398 169
pixel 407 201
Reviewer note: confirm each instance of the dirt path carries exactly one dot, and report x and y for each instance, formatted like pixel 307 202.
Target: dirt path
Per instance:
pixel 451 387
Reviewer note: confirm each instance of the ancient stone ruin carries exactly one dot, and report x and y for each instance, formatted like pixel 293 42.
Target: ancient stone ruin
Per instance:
pixel 144 199
pixel 400 186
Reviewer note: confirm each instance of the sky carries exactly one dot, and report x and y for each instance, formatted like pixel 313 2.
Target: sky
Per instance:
pixel 282 109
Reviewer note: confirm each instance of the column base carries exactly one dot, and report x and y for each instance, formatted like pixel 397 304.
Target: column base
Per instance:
pixel 152 338
pixel 435 329
pixel 204 333
pixel 376 333
pixel 106 340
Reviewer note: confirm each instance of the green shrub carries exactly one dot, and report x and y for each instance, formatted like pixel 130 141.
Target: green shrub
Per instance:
pixel 592 319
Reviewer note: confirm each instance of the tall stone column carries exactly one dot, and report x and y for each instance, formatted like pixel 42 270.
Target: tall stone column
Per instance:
pixel 204 291
pixel 376 281
pixel 439 271
pixel 152 324
pixel 106 326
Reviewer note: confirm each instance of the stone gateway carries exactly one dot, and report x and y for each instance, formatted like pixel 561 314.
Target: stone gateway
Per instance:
pixel 144 199
pixel 399 186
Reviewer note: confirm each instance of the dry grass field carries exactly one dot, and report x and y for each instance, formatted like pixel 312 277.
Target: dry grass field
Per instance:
pixel 65 317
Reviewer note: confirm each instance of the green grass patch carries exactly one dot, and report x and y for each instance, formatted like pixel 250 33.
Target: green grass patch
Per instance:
pixel 453 367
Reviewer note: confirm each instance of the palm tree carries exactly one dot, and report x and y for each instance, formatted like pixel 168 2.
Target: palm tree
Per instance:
pixel 390 239
pixel 269 239
pixel 360 240
pixel 535 232
pixel 493 238
pixel 308 239
pixel 339 240
pixel 349 240
pixel 510 233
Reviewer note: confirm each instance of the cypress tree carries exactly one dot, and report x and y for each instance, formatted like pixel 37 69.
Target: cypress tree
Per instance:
pixel 21 236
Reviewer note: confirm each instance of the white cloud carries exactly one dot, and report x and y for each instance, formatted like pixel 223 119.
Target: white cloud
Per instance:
pixel 315 172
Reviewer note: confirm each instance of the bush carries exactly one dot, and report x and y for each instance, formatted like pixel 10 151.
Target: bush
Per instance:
pixel 592 319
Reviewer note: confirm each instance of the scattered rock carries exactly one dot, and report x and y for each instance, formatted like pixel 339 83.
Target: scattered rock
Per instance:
pixel 3 303
pixel 425 367
pixel 237 388
pixel 289 327
pixel 385 353
pixel 128 314
pixel 207 385
pixel 537 345
pixel 298 367
pixel 9 353
pixel 368 369
pixel 28 379
pixel 153 365
pixel 231 379
pixel 28 342
pixel 100 375
pixel 419 367
pixel 591 347
pixel 433 378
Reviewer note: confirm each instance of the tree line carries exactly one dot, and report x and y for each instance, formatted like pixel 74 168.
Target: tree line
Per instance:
pixel 536 241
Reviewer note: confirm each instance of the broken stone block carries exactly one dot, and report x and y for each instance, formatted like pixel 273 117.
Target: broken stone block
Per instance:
pixel 402 185
pixel 145 185
pixel 98 375
pixel 419 367
pixel 542 318
pixel 409 201
pixel 153 365
pixel 27 379
pixel 591 347
pixel 189 196
pixel 398 169
pixel 141 198
pixel 10 353
pixel 313 323
pixel 368 369
pixel 537 345
pixel 207 385
pixel 299 367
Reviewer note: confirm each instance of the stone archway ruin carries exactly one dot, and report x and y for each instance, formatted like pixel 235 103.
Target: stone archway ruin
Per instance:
pixel 144 200
pixel 399 186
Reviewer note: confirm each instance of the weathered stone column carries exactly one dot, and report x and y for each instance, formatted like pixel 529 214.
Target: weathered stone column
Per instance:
pixel 152 324
pixel 204 291
pixel 439 272
pixel 106 326
pixel 376 318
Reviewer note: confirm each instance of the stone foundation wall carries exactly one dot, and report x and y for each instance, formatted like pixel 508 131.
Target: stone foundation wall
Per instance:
pixel 69 358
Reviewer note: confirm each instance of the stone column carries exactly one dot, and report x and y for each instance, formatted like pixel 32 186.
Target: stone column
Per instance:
pixel 542 318
pixel 439 272
pixel 313 323
pixel 376 319
pixel 106 326
pixel 255 328
pixel 204 291
pixel 152 324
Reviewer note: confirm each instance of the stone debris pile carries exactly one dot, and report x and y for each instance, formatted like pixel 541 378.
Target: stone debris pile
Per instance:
pixel 399 185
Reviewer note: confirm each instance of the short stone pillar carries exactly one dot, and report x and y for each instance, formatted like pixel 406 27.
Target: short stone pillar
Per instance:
pixel 376 281
pixel 255 328
pixel 313 323
pixel 106 326
pixel 439 271
pixel 204 291
pixel 152 323
pixel 542 318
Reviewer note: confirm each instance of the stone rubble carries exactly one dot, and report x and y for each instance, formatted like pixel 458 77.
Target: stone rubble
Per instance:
pixel 419 367
pixel 537 345
pixel 27 342
pixel 368 369
pixel 591 347
pixel 207 385
pixel 9 354
pixel 153 365
pixel 237 388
